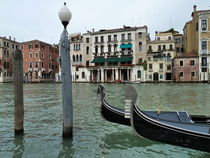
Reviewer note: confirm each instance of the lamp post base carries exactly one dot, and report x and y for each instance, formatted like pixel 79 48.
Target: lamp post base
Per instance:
pixel 19 132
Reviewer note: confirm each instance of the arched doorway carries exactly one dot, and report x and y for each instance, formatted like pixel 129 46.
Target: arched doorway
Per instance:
pixel 155 76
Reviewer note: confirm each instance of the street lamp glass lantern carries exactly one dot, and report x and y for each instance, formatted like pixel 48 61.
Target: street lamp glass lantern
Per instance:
pixel 64 15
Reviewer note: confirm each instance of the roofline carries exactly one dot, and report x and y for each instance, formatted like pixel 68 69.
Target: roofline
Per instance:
pixel 33 41
pixel 4 38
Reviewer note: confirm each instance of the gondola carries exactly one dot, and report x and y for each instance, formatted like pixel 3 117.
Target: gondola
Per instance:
pixel 118 115
pixel 176 128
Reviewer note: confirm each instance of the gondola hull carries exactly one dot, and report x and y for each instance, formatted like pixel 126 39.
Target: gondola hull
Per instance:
pixel 162 133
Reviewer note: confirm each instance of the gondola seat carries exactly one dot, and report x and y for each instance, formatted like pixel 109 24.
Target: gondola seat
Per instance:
pixel 184 117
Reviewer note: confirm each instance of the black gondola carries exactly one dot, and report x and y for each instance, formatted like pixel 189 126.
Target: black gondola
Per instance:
pixel 177 128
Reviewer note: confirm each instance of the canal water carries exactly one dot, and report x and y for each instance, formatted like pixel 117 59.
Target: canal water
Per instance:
pixel 93 136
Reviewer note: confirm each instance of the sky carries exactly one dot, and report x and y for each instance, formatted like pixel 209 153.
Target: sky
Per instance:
pixel 27 20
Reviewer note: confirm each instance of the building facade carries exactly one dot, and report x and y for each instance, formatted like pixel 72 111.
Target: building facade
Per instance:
pixel 118 55
pixel 197 39
pixel 39 61
pixel 186 68
pixel 7 48
pixel 160 53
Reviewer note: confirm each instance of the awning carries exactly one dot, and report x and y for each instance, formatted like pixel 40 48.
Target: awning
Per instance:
pixel 126 46
pixel 112 60
pixel 98 60
pixel 127 59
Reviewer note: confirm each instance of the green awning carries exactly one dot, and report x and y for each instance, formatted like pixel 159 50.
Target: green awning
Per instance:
pixel 125 59
pixel 98 60
pixel 126 46
pixel 112 60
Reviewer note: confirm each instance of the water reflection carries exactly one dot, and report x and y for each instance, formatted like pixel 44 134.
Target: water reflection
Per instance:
pixel 19 147
pixel 67 149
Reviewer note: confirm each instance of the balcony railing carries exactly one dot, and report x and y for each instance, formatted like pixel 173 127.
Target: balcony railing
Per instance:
pixel 36 69
pixel 126 40
pixel 203 52
pixel 112 41
pixel 43 69
pixel 30 69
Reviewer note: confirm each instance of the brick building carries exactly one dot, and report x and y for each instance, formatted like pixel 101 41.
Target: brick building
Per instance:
pixel 186 68
pixel 39 61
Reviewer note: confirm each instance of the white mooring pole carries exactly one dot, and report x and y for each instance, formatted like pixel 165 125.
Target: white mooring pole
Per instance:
pixel 65 16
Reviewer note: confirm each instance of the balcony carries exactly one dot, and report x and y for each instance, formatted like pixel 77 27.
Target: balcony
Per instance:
pixel 97 42
pixel 112 41
pixel 126 40
pixel 150 70
pixel 161 70
pixel 203 52
pixel 36 69
pixel 50 70
pixel 30 69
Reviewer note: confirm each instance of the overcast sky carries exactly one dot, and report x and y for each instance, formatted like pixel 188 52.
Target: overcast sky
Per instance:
pixel 38 19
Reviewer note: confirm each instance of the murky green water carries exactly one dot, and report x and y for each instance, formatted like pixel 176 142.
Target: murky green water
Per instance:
pixel 93 136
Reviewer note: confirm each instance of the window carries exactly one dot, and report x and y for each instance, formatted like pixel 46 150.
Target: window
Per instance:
pixel 203 45
pixel 42 55
pixel 150 77
pixel 77 69
pixel 150 48
pixel 177 40
pixel 30 55
pixel 87 50
pixel 30 46
pixel 13 46
pixel 115 38
pixel 138 74
pixel 83 74
pixel 164 47
pixel 192 74
pixel 36 64
pixel 30 65
pixel 96 49
pixel 115 48
pixel 178 49
pixel 73 58
pixel 102 39
pixel 140 46
pixel 181 63
pixel 171 47
pixel 192 62
pixel 204 25
pixel 36 46
pixel 204 61
pixel 109 38
pixel 96 39
pixel 169 38
pixel 87 63
pixel 140 34
pixel 181 74
pixel 159 47
pixel 168 67
pixel 21 47
pixel 36 55
pixel 102 48
pixel 196 27
pixel 42 64
pixel 42 46
pixel 80 57
pixel 87 40
pixel 161 65
pixel 161 76
pixel 123 37
pixel 129 36
pixel 109 48
pixel 150 66
pixel 77 58
pixel 158 38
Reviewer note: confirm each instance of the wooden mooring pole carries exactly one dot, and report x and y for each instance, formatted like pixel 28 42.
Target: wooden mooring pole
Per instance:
pixel 18 92
pixel 66 78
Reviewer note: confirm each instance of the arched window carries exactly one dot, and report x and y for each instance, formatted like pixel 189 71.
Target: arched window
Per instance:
pixel 73 58
pixel 74 47
pixel 115 47
pixel 83 74
pixel 87 50
pixel 140 46
pixel 80 57
pixel 78 46
pixel 138 74
pixel 77 58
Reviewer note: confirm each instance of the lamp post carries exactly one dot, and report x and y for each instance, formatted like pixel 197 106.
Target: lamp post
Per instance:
pixel 65 17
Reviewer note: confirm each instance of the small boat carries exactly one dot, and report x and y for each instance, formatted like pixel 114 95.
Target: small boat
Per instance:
pixel 176 128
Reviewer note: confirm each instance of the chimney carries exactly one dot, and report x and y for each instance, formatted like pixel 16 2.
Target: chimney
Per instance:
pixel 14 39
pixel 194 8
pixel 9 37
pixel 93 30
